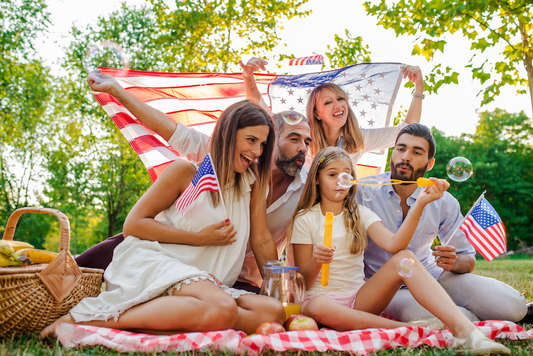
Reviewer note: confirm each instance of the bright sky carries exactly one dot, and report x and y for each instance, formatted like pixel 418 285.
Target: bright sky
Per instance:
pixel 453 110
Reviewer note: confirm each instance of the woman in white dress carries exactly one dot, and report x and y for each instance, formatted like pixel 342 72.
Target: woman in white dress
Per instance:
pixel 155 285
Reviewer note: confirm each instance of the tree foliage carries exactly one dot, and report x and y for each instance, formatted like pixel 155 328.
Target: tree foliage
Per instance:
pixel 500 151
pixel 212 35
pixel 93 175
pixel 348 51
pixel 24 96
pixel 505 26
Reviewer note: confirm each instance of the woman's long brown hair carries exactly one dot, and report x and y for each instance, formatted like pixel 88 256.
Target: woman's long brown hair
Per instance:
pixel 222 146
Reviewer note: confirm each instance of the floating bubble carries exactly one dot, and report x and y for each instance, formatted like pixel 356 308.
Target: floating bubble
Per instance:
pixel 292 117
pixel 345 180
pixel 368 193
pixel 406 267
pixel 106 54
pixel 459 169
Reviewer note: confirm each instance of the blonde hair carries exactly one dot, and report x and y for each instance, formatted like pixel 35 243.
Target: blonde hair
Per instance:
pixel 222 146
pixel 311 197
pixel 352 136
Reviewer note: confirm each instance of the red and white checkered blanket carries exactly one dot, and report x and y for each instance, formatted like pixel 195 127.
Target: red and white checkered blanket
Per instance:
pixel 361 342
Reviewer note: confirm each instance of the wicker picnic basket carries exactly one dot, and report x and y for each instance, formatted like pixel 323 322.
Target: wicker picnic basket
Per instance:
pixel 34 296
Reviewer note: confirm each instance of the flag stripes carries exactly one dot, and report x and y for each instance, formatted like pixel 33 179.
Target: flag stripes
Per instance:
pixel 205 179
pixel 485 231
pixel 198 99
pixel 309 60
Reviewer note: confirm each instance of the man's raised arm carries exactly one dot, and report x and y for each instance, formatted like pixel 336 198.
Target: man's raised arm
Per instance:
pixel 189 143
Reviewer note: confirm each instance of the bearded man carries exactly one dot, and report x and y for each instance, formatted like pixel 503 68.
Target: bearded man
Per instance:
pixel 479 298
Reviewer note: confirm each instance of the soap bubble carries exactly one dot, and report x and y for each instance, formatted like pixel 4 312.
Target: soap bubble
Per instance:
pixel 459 169
pixel 292 117
pixel 345 180
pixel 406 267
pixel 368 192
pixel 105 54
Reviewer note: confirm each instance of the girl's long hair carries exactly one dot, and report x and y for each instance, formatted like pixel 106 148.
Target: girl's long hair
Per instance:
pixel 222 146
pixel 352 135
pixel 311 197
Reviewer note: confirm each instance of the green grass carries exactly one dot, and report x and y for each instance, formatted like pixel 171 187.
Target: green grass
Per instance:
pixel 515 271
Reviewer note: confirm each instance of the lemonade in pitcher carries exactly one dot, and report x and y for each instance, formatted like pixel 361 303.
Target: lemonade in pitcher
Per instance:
pixel 292 309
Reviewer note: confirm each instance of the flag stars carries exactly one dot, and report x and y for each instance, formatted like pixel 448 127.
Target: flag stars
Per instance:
pixel 370 81
pixel 358 87
pixel 382 75
pixel 283 100
pixel 365 97
pixel 363 75
pixel 363 113
pixel 377 91
pixel 300 100
pixel 371 122
pixel 291 92
pixel 291 108
pixel 354 103
pixel 309 91
pixel 374 106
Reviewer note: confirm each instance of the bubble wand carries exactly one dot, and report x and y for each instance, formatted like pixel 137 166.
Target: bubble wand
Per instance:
pixel 346 181
pixel 328 229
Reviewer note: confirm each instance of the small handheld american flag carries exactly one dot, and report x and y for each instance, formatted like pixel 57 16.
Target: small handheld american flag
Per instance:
pixel 485 231
pixel 309 60
pixel 205 179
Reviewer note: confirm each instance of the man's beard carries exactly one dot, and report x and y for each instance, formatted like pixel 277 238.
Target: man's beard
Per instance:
pixel 415 174
pixel 288 165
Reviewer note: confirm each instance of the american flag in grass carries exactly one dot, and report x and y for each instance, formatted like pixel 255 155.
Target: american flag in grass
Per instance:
pixel 198 99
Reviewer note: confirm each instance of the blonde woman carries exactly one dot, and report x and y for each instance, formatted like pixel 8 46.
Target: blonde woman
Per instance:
pixel 333 122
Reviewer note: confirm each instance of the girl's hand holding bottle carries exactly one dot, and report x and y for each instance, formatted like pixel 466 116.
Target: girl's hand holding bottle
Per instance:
pixel 323 254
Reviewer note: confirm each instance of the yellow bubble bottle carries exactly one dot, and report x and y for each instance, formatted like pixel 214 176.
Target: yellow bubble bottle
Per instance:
pixel 328 230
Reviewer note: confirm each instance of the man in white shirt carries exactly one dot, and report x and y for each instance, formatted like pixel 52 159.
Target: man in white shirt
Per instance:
pixel 288 173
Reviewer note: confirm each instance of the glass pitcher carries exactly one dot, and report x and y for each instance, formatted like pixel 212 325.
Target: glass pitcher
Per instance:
pixel 285 284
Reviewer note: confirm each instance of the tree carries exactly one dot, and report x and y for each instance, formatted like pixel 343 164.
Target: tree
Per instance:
pixel 24 98
pixel 212 35
pixel 504 25
pixel 500 151
pixel 348 51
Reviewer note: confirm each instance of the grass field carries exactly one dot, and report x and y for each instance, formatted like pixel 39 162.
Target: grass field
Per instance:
pixel 516 271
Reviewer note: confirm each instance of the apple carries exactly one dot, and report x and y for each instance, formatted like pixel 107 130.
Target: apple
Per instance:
pixel 300 322
pixel 268 328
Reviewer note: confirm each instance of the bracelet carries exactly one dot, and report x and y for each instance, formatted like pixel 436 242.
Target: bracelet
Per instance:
pixel 421 97
pixel 413 215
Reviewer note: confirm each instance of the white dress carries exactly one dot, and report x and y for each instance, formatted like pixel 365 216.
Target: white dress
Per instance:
pixel 142 270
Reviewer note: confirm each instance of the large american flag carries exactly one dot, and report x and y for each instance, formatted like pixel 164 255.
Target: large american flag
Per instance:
pixel 205 179
pixel 198 99
pixel 485 231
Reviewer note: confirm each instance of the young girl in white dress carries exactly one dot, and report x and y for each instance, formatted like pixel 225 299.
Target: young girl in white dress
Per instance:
pixel 348 302
pixel 158 286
